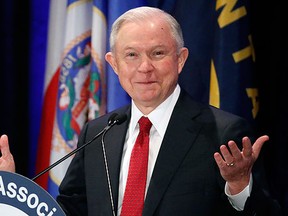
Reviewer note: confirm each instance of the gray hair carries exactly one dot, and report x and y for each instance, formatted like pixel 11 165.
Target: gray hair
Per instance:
pixel 145 12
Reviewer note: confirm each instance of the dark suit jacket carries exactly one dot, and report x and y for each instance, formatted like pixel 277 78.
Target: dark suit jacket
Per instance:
pixel 185 180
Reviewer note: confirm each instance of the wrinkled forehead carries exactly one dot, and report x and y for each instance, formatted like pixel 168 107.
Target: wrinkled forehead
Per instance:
pixel 154 23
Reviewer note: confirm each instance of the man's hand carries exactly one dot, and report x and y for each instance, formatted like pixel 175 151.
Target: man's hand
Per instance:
pixel 235 165
pixel 6 160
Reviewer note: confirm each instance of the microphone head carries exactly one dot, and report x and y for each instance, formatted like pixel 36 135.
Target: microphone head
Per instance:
pixel 119 119
pixel 112 118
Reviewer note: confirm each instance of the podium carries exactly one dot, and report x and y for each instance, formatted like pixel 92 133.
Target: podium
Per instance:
pixel 20 196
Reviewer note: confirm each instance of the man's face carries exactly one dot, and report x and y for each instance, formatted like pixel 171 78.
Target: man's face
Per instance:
pixel 146 62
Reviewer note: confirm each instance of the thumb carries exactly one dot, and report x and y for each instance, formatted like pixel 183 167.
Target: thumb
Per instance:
pixel 257 146
pixel 4 145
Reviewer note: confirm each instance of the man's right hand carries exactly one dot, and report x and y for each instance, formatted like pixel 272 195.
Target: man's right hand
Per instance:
pixel 6 160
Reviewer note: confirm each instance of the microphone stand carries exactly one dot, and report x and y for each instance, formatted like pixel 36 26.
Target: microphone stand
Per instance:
pixel 107 173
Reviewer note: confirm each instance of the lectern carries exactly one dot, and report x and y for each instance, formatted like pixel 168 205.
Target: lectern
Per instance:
pixel 20 196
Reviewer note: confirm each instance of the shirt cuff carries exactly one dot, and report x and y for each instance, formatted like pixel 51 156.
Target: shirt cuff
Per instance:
pixel 238 200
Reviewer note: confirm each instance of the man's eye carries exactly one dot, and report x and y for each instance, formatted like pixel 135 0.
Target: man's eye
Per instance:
pixel 159 53
pixel 131 54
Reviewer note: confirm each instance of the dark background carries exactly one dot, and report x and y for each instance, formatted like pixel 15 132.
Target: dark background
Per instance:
pixel 269 27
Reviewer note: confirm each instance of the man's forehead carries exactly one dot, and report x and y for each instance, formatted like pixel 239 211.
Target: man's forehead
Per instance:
pixel 146 21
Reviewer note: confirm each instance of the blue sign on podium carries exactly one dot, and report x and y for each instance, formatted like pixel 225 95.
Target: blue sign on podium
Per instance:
pixel 20 196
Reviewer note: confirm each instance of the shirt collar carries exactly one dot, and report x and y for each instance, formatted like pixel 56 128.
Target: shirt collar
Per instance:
pixel 160 116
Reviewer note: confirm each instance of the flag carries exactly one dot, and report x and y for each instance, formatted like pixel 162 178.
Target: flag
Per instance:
pixel 232 84
pixel 220 67
pixel 56 26
pixel 74 79
pixel 72 88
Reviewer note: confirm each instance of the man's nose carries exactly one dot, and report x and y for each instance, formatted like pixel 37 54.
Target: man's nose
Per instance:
pixel 146 64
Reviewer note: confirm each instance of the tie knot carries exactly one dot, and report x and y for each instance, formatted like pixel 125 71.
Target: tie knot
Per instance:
pixel 144 124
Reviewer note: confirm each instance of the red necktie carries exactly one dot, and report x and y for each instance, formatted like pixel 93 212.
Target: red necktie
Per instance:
pixel 133 201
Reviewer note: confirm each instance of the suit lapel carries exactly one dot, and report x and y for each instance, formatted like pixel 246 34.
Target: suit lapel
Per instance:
pixel 179 138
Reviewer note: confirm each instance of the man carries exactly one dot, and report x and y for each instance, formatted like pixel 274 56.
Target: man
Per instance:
pixel 185 175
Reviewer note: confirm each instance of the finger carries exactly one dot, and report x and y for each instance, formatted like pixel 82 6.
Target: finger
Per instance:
pixel 219 160
pixel 247 147
pixel 235 151
pixel 4 146
pixel 227 156
pixel 257 146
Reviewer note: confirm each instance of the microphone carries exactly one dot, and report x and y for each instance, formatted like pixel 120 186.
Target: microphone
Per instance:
pixel 114 119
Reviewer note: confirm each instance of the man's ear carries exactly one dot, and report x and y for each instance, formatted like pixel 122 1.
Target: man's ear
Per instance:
pixel 183 55
pixel 111 60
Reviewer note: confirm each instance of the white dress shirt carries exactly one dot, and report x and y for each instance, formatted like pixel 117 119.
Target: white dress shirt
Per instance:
pixel 160 118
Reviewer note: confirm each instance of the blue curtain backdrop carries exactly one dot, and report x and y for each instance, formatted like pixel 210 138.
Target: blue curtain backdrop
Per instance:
pixel 23 44
pixel 37 57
